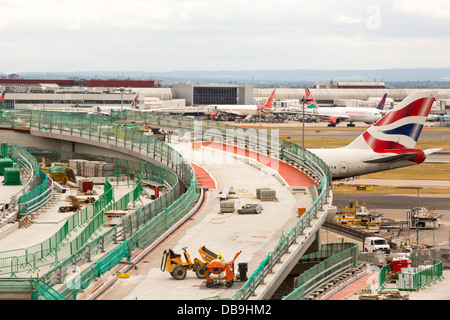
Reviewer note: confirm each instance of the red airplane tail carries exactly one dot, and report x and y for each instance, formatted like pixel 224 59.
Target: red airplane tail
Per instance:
pixel 268 104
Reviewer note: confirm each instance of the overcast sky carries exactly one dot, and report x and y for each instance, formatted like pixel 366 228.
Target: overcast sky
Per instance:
pixel 167 35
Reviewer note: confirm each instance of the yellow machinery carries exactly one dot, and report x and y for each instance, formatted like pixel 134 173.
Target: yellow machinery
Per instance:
pixel 60 173
pixel 173 263
pixel 140 126
pixel 357 216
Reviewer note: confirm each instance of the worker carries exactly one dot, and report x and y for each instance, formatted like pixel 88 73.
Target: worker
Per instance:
pixel 219 259
pixel 363 207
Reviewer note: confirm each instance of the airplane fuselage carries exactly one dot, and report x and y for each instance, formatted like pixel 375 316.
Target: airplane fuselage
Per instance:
pixel 345 163
pixel 368 115
pixel 238 110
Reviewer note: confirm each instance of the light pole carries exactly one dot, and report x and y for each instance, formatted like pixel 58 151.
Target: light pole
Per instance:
pixel 411 218
pixel 303 120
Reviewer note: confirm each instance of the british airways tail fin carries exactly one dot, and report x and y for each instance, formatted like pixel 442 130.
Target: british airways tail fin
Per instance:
pixel 400 128
pixel 380 106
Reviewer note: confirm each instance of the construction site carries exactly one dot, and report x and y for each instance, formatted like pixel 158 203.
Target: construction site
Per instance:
pixel 269 234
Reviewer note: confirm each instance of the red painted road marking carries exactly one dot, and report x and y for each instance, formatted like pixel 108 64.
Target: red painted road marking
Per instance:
pixel 352 288
pixel 204 179
pixel 292 176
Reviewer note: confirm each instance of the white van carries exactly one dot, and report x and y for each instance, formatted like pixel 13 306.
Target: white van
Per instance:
pixel 376 244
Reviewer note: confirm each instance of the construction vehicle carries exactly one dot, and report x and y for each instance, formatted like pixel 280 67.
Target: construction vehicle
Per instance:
pixel 60 173
pixel 358 216
pixel 140 126
pixel 224 272
pixel 75 204
pixel 423 218
pixel 173 263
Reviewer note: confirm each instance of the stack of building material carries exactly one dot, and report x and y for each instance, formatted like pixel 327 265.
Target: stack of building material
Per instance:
pixel 108 169
pixel 227 206
pixel 266 194
pixel 258 192
pixel 85 168
pixel 77 165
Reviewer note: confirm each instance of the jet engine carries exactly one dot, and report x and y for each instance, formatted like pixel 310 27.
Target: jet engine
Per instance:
pixel 334 120
pixel 213 115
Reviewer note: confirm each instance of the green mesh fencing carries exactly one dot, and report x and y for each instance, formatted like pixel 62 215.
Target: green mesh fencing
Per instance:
pixel 27 289
pixel 425 272
pixel 338 257
pixel 97 128
pixel 39 186
pixel 50 251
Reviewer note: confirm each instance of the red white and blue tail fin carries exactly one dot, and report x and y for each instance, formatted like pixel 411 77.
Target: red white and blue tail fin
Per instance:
pixel 380 106
pixel 400 128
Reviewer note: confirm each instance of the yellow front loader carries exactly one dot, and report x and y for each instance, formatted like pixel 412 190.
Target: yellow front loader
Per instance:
pixel 173 263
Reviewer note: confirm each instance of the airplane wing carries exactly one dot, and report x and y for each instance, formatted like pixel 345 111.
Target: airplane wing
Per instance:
pixel 383 158
pixel 430 151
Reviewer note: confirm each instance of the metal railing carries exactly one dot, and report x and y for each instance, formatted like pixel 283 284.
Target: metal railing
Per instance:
pixel 339 257
pixel 39 188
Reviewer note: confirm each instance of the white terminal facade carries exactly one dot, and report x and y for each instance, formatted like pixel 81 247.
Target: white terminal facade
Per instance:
pixel 87 95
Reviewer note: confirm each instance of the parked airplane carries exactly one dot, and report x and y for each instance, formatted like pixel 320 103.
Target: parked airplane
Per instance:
pixel 2 97
pixel 370 103
pixel 380 105
pixel 106 110
pixel 388 144
pixel 242 111
pixel 335 115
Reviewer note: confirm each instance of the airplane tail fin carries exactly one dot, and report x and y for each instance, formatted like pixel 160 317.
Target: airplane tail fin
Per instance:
pixel 270 100
pixel 380 106
pixel 134 103
pixel 400 128
pixel 267 107
pixel 310 101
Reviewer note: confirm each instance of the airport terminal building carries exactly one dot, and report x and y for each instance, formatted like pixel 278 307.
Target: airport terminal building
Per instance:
pixel 80 95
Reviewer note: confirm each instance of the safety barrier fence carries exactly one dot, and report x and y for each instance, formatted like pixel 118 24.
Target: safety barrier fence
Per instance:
pixel 290 237
pixel 136 231
pixel 265 144
pixel 49 251
pixel 338 258
pixel 422 273
pixel 15 261
pixel 269 144
pixel 129 139
pixel 38 190
pixel 135 141
pixel 26 289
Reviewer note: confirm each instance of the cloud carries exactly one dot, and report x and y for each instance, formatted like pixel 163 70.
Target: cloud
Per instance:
pixel 164 35
pixel 436 9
